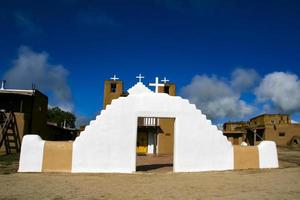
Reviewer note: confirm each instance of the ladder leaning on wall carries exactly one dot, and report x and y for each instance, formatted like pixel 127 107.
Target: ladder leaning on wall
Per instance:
pixel 9 133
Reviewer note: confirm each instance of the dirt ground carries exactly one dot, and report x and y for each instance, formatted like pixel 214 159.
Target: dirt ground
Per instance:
pixel 155 182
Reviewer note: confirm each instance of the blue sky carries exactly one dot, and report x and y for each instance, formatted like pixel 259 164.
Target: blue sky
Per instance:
pixel 68 48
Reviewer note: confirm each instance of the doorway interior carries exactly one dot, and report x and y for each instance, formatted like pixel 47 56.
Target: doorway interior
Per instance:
pixel 155 144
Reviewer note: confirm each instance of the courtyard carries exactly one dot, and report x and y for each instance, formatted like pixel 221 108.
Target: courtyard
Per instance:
pixel 154 180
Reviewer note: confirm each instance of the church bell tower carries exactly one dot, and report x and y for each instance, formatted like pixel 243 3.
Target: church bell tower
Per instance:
pixel 113 89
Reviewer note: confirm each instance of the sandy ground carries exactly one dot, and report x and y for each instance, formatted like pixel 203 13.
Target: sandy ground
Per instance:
pixel 157 182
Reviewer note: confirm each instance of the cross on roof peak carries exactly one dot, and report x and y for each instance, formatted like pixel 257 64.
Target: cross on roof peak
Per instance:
pixel 140 77
pixel 165 80
pixel 114 78
pixel 156 84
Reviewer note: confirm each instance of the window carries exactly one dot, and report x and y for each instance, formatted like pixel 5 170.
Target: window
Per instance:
pixel 113 87
pixel 259 136
pixel 281 134
pixel 166 89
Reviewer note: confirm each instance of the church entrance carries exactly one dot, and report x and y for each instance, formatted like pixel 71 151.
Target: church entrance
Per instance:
pixel 155 144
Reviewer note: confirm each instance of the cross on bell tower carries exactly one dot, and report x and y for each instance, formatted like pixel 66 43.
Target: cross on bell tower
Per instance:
pixel 140 77
pixel 165 80
pixel 156 84
pixel 113 89
pixel 114 78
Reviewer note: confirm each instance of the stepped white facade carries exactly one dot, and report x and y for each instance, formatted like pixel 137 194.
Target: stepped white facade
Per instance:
pixel 108 144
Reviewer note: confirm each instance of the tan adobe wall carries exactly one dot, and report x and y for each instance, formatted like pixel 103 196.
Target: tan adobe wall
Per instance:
pixel 57 157
pixel 232 126
pixel 246 157
pixel 286 131
pixel 108 95
pixel 258 121
pixel 172 89
pixel 270 120
pixel 166 139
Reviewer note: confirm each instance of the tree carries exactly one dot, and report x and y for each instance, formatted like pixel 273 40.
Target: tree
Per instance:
pixel 58 116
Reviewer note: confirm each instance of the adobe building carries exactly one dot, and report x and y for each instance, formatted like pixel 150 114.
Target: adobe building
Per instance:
pixel 273 127
pixel 144 121
pixel 155 135
pixel 235 131
pixel 29 108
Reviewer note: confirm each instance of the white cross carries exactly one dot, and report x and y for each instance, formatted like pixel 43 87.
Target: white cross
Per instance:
pixel 156 84
pixel 165 80
pixel 140 77
pixel 114 78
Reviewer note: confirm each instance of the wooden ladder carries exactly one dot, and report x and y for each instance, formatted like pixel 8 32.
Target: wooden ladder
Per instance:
pixel 9 133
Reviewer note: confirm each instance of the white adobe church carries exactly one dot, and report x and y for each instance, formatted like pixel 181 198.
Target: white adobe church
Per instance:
pixel 108 144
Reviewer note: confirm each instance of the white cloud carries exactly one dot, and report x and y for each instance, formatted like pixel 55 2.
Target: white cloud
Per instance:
pixel 282 89
pixel 34 67
pixel 244 79
pixel 216 98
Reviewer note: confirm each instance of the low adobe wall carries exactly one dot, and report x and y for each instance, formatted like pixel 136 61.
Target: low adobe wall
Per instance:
pixel 246 157
pixel 38 155
pixel 57 157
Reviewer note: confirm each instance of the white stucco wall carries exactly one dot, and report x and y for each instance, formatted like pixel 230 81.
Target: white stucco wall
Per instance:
pixel 268 155
pixel 108 144
pixel 31 157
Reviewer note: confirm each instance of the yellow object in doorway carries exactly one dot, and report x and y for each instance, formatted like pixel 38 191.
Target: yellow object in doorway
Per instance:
pixel 142 142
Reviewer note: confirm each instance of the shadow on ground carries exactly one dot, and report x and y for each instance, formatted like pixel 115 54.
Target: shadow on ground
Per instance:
pixel 152 167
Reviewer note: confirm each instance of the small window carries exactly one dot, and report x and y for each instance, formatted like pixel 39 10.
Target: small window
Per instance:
pixel 40 108
pixel 281 134
pixel 272 121
pixel 113 87
pixel 166 89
